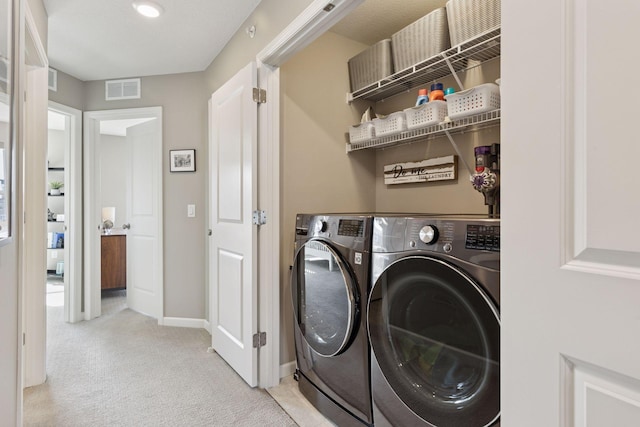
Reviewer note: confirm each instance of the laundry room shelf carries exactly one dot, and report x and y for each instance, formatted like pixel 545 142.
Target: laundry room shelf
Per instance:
pixel 482 48
pixel 476 122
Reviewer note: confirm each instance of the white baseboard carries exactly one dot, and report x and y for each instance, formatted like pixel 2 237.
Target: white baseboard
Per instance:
pixel 207 326
pixel 183 322
pixel 287 369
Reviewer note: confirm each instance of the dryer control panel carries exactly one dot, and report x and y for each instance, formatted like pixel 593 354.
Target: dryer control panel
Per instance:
pixel 483 237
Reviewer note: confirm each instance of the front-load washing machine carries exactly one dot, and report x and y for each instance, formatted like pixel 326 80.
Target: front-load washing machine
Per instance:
pixel 329 285
pixel 433 320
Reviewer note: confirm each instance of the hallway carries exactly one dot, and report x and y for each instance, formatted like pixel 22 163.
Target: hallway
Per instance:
pixel 122 369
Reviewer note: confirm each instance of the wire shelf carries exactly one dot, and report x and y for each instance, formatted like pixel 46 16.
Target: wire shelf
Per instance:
pixel 482 48
pixel 475 122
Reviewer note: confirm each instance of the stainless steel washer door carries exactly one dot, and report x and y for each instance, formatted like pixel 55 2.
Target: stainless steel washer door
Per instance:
pixel 436 336
pixel 324 298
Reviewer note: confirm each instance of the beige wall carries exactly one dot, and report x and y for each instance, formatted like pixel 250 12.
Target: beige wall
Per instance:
pixel 184 104
pixel 269 18
pixel 70 91
pixel 316 173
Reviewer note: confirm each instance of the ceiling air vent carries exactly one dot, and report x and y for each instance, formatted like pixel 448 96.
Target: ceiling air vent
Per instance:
pixel 122 89
pixel 53 80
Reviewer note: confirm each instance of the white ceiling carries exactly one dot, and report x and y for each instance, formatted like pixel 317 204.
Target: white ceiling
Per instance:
pixel 106 39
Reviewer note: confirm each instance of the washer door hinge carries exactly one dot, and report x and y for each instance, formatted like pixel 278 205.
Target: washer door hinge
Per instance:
pixel 259 339
pixel 259 95
pixel 259 217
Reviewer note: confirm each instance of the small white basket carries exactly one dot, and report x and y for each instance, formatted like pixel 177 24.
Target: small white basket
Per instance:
pixel 478 99
pixel 361 132
pixel 425 115
pixel 391 124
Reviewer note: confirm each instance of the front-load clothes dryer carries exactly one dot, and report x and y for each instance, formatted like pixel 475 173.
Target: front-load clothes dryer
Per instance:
pixel 329 285
pixel 434 323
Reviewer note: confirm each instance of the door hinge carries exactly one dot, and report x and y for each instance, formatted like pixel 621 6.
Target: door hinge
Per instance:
pixel 259 95
pixel 259 339
pixel 24 338
pixel 259 217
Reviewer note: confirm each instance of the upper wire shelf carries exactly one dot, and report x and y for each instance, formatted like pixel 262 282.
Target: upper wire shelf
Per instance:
pixel 481 48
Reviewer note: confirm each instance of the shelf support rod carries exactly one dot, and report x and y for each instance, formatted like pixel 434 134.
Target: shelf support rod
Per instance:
pixel 453 71
pixel 455 147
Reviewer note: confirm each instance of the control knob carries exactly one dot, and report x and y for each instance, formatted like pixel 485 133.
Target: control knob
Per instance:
pixel 429 234
pixel 321 226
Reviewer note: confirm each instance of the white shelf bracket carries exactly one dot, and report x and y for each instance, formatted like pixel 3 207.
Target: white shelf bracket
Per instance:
pixel 460 156
pixel 349 98
pixel 453 71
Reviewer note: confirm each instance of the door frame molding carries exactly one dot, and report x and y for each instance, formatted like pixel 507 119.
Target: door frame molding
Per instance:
pixel 32 200
pixel 309 25
pixel 92 306
pixel 73 212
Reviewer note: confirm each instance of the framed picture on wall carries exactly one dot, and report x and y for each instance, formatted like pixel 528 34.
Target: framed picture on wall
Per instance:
pixel 182 160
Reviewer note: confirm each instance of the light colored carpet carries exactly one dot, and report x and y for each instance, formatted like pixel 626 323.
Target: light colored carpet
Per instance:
pixel 122 369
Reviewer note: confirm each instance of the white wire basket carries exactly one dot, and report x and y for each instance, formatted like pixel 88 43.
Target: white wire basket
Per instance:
pixel 478 99
pixel 469 18
pixel 391 124
pixel 425 115
pixel 362 132
pixel 424 38
pixel 371 65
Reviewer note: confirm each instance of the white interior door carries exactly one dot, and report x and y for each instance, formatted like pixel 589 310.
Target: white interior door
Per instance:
pixel 570 301
pixel 144 247
pixel 233 272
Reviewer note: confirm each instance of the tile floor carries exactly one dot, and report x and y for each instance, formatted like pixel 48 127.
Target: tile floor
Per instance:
pixel 294 403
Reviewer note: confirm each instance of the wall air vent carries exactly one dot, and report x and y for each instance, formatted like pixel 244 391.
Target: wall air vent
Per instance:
pixel 53 80
pixel 122 89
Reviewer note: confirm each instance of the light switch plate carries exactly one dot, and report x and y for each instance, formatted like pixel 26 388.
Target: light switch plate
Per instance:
pixel 191 211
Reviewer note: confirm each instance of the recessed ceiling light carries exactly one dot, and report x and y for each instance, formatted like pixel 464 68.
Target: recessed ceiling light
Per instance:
pixel 148 8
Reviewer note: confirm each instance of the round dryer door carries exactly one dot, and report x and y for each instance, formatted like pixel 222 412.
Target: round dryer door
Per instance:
pixel 324 298
pixel 435 335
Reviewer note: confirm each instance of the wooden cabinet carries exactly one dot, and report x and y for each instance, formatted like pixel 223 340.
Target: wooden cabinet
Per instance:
pixel 114 261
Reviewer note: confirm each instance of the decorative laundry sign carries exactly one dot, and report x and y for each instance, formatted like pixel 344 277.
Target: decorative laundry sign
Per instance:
pixel 436 169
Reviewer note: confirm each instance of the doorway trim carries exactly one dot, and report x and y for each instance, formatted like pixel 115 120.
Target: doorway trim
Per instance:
pixel 32 229
pixel 92 210
pixel 309 25
pixel 73 210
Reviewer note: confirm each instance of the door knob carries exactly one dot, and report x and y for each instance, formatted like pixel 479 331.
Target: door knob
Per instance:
pixel 126 226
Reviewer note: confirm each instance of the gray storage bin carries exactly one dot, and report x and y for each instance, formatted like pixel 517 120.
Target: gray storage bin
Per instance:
pixel 426 37
pixel 469 18
pixel 370 65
